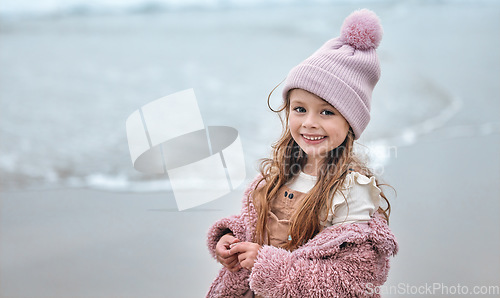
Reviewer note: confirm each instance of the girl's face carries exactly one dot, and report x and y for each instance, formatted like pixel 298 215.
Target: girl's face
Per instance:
pixel 315 125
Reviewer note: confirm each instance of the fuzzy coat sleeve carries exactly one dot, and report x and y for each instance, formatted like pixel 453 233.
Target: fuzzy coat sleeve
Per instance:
pixel 236 224
pixel 227 283
pixel 345 261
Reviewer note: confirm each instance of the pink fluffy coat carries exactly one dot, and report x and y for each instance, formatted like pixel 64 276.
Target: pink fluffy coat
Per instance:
pixel 341 261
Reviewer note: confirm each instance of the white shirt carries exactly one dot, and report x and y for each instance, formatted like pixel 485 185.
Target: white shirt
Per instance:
pixel 362 198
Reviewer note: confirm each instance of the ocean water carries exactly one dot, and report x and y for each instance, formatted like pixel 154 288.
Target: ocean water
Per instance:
pixel 81 7
pixel 71 73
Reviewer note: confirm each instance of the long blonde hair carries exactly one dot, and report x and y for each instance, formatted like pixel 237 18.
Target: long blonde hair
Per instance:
pixel 287 160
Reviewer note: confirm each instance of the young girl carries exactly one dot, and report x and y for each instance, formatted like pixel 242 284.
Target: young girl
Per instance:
pixel 311 223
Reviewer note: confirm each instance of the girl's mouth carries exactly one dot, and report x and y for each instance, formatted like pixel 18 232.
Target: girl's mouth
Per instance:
pixel 313 139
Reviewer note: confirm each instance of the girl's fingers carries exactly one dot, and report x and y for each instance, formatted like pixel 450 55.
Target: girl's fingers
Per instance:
pixel 237 248
pixel 247 254
pixel 242 257
pixel 243 263
pixel 233 263
pixel 226 253
pixel 236 268
pixel 241 247
pixel 231 260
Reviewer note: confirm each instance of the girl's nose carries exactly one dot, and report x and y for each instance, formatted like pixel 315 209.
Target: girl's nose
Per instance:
pixel 310 121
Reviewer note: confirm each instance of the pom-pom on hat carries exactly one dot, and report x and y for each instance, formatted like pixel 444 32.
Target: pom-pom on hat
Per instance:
pixel 344 70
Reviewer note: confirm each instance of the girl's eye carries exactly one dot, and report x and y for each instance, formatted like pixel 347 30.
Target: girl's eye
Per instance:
pixel 327 112
pixel 300 110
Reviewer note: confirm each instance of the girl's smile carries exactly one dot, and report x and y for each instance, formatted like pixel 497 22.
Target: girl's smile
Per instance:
pixel 312 139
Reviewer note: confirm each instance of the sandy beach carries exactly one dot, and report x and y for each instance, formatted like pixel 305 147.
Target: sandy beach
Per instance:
pixel 63 241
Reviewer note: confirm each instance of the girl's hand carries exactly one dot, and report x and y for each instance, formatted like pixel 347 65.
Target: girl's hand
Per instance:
pixel 224 255
pixel 247 253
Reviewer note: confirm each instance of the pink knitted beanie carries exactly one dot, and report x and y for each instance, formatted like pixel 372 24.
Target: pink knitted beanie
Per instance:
pixel 344 70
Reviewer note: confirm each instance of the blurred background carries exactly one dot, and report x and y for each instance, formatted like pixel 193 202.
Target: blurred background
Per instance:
pixel 78 221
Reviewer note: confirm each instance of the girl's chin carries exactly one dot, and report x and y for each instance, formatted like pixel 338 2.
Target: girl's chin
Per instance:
pixel 313 155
